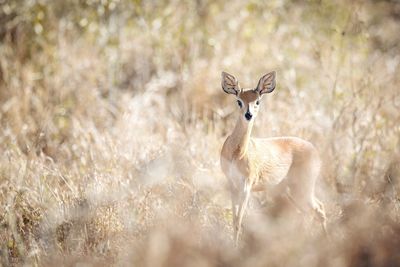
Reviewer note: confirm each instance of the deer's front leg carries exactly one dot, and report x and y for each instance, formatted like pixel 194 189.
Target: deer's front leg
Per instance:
pixel 235 205
pixel 245 197
pixel 235 212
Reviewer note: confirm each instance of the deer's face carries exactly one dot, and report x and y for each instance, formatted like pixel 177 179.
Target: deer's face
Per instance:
pixel 248 100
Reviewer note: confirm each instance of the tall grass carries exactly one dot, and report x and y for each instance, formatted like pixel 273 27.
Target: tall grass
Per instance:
pixel 112 119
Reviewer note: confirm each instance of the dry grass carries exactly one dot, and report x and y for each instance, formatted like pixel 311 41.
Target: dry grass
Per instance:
pixel 112 119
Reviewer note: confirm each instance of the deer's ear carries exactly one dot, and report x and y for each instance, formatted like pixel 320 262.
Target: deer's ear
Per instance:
pixel 266 83
pixel 229 84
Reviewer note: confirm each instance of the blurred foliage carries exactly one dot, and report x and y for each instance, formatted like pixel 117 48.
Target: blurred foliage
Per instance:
pixel 112 119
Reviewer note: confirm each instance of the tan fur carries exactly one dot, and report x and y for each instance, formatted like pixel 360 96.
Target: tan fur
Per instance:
pixel 249 96
pixel 257 163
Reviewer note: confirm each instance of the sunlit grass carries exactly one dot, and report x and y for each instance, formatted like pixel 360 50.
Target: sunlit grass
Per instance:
pixel 113 117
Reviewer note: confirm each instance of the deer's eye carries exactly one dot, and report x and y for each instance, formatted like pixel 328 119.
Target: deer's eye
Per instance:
pixel 239 103
pixel 258 102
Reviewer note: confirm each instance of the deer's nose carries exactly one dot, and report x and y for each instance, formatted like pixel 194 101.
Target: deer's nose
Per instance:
pixel 248 116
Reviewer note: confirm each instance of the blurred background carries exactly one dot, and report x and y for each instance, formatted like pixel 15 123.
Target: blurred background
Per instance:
pixel 112 120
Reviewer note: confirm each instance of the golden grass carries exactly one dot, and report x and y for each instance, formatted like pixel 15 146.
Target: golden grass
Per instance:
pixel 112 119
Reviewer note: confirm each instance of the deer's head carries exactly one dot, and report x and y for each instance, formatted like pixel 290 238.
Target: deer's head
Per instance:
pixel 248 100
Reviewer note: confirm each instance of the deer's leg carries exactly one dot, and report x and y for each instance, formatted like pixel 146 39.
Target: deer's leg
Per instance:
pixel 234 205
pixel 235 211
pixel 242 209
pixel 302 179
pixel 319 209
pixel 293 201
pixel 311 204
pixel 315 205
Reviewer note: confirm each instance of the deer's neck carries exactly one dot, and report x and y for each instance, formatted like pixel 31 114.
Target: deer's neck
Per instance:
pixel 240 138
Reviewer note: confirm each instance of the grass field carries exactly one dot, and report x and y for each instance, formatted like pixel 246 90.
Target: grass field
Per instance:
pixel 113 117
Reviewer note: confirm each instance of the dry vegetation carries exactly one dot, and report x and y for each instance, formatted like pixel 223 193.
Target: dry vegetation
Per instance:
pixel 112 119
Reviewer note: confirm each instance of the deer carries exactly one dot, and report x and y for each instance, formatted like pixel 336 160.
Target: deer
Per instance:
pixel 254 164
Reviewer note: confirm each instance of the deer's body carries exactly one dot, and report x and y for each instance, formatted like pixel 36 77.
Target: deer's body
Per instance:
pixel 254 164
pixel 267 161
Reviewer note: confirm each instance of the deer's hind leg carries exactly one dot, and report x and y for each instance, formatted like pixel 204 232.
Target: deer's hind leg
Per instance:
pixel 319 210
pixel 302 177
